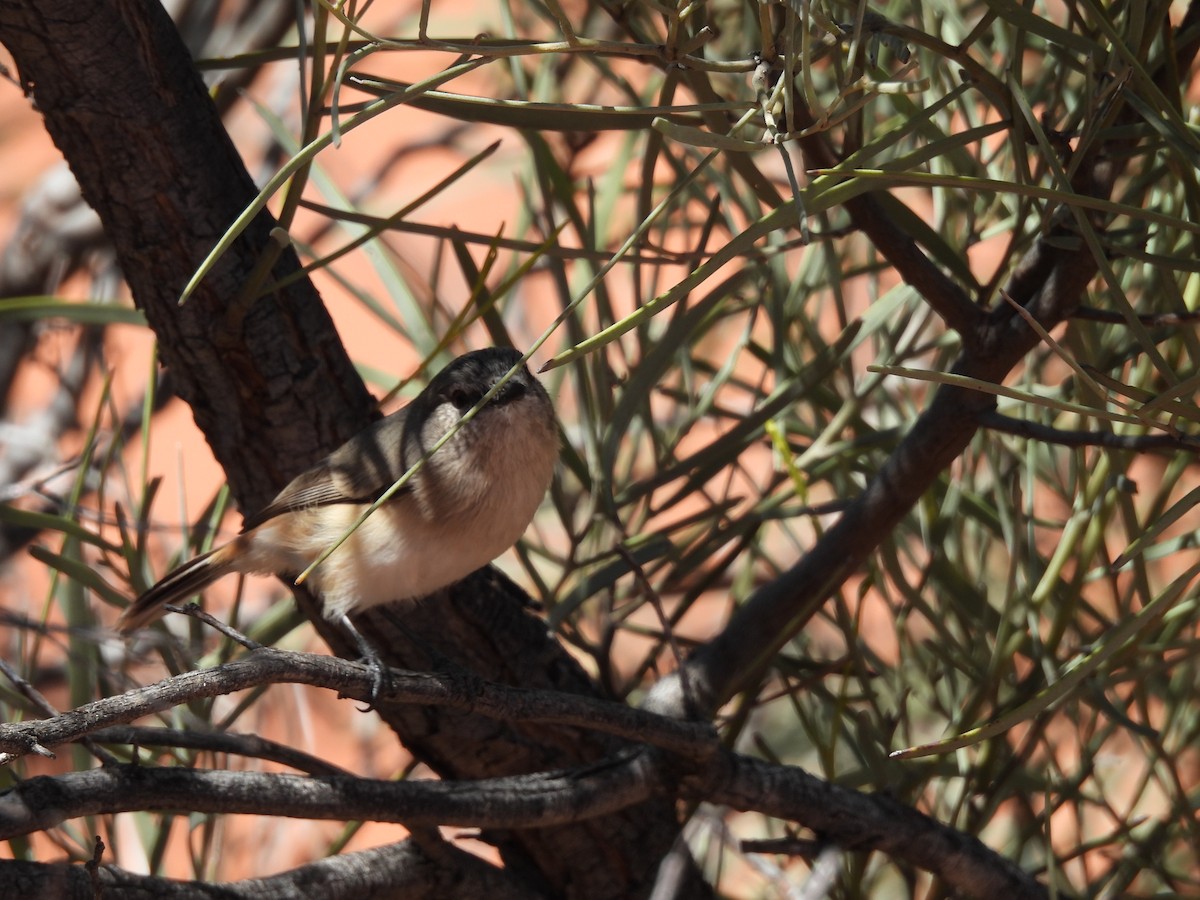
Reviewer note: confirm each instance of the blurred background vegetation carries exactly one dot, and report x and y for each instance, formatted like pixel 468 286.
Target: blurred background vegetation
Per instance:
pixel 624 190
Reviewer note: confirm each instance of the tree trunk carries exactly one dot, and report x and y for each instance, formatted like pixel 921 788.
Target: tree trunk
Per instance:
pixel 273 390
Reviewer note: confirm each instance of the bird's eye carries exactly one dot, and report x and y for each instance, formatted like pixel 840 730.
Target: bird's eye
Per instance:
pixel 462 398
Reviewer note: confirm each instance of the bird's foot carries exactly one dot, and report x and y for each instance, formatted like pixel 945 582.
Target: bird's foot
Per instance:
pixel 370 658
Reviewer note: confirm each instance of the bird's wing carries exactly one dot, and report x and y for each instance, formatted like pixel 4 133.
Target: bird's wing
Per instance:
pixel 357 472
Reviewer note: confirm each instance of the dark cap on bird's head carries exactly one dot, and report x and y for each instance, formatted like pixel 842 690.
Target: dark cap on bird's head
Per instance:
pixel 464 381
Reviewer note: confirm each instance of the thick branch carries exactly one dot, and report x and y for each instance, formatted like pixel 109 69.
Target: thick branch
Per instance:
pixel 403 871
pixel 519 801
pixel 894 243
pixel 858 821
pixel 460 691
pixel 852 820
pixel 843 816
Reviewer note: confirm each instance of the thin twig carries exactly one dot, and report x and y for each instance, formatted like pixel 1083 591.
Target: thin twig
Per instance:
pixel 1138 443
pixel 250 746
pixel 1092 314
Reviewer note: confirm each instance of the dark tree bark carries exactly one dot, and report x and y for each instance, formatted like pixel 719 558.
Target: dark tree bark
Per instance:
pixel 273 390
pixel 268 380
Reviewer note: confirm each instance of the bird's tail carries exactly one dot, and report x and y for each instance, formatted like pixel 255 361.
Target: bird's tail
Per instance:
pixel 190 578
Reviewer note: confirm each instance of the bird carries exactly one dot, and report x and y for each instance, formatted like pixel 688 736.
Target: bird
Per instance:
pixel 471 500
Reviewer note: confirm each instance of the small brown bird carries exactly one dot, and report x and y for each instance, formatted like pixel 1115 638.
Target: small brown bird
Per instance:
pixel 469 502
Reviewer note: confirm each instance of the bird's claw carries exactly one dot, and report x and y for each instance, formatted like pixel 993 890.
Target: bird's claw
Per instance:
pixel 370 659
